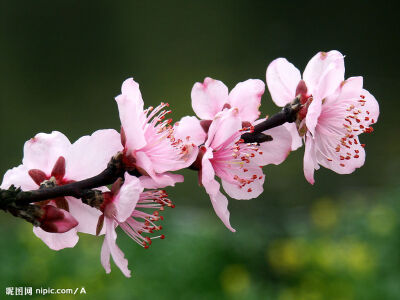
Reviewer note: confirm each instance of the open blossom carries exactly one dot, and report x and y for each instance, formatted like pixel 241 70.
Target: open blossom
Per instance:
pixel 123 207
pixel 50 160
pixel 335 111
pixel 148 139
pixel 226 156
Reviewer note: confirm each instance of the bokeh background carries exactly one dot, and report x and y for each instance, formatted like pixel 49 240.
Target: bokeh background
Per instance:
pixel 61 64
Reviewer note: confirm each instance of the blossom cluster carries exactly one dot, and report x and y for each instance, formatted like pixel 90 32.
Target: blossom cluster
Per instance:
pixel 330 112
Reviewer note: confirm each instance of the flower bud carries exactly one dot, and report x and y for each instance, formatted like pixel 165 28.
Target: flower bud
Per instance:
pixel 57 220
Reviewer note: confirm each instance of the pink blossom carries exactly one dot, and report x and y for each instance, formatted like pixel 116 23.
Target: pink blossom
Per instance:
pixel 334 111
pixel 148 138
pixel 51 159
pixel 224 155
pixel 211 97
pixel 122 207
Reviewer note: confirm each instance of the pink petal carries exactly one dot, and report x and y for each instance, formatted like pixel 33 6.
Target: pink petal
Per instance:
pixel 208 98
pixel 86 215
pixel 249 191
pixel 275 151
pixel 225 125
pixel 313 113
pixel 105 257
pixel 246 96
pixel 310 163
pixel 218 200
pixel 159 180
pixel 116 253
pixel 189 129
pixel 163 180
pixel 297 141
pixel 127 198
pixel 18 177
pixel 331 159
pixel 57 241
pixel 89 155
pixel 130 107
pixel 42 151
pixel 324 73
pixel 282 80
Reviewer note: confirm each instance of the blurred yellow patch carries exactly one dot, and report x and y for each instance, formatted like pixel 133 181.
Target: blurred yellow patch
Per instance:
pixel 287 255
pixel 359 258
pixel 235 279
pixel 324 213
pixel 382 220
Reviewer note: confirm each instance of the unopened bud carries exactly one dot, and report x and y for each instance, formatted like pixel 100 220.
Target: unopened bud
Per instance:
pixel 56 220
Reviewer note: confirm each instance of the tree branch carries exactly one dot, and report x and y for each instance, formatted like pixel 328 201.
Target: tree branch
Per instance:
pixel 287 115
pixel 79 189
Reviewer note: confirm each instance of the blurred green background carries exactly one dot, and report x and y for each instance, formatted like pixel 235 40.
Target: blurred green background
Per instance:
pixel 61 64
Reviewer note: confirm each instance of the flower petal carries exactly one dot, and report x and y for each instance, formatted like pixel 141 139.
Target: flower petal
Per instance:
pixel 42 151
pixel 57 241
pixel 226 124
pixel 127 198
pixel 18 177
pixel 159 180
pixel 218 200
pixel 310 162
pixel 324 73
pixel 282 80
pixel 189 129
pixel 249 191
pixel 246 96
pixel 208 98
pixel 297 141
pixel 89 155
pixel 118 256
pixel 130 107
pixel 86 216
pixel 275 151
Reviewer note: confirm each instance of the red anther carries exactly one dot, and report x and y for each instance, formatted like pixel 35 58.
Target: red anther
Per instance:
pixel 356 151
pixel 369 130
pixel 372 121
pixel 356 156
pixel 173 206
pixel 367 112
pixel 348 157
pixel 148 240
pixel 159 227
pixel 162 236
pixel 249 190
pixel 366 119
pixel 155 213
pixel 254 176
pixel 363 145
pixel 146 246
pixel 342 165
pixel 355 141
pixel 362 96
pixel 337 148
pixel 260 152
pixel 329 159
pixel 361 126
pixel 260 177
pixel 241 141
pixel 341 157
pixel 358 120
